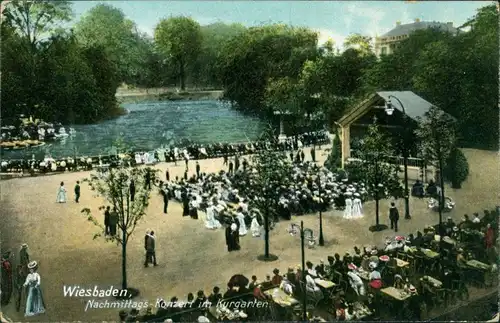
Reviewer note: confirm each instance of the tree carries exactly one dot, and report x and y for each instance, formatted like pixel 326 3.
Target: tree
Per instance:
pixel 107 27
pixel 380 177
pixel 334 160
pixel 457 168
pixel 361 43
pixel 114 187
pixel 271 170
pixel 179 38
pixel 36 19
pixel 436 133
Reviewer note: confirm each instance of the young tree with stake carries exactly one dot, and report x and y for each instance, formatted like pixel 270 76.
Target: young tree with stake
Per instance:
pixel 114 187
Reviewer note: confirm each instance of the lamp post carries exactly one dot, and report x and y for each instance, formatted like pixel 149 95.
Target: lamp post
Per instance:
pixel 303 256
pixel 321 238
pixel 441 181
pixel 390 110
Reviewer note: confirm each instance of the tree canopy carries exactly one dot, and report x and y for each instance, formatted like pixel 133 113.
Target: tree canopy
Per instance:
pixel 261 69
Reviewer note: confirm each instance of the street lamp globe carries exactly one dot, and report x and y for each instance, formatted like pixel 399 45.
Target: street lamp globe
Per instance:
pixel 388 108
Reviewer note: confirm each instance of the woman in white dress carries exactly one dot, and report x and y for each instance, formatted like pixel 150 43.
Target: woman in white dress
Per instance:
pixel 348 206
pixel 61 194
pixel 357 207
pixel 241 219
pixel 211 223
pixel 255 227
pixel 34 300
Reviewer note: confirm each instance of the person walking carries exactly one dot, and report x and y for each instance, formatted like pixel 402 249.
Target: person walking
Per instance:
pixel 150 249
pixel 167 175
pixel 197 170
pixel 77 191
pixel 113 221
pixel 132 190
pixel 107 214
pixel 313 154
pixel 394 217
pixel 166 196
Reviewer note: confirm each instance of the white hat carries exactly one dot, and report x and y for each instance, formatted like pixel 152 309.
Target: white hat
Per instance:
pixel 203 319
pixel 32 264
pixel 356 194
pixel 372 265
pixel 234 227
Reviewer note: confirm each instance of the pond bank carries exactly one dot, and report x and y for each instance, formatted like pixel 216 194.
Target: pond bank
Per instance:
pixel 142 95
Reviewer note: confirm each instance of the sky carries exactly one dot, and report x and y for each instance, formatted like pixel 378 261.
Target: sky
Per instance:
pixel 331 19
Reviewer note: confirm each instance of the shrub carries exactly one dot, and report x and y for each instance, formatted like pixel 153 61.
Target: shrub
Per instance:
pixel 334 160
pixel 457 168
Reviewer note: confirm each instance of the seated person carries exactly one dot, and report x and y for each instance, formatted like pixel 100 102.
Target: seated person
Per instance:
pixel 465 223
pixel 258 294
pixel 268 283
pixel 276 281
pixel 418 189
pixel 375 277
pixel 312 289
pixel 291 277
pixel 419 240
pixel 253 282
pixel 449 225
pixel 357 258
pixel 320 269
pixel 330 267
pixel 200 299
pixel 461 260
pixel 215 297
pixel 431 189
pixel 339 265
pixel 365 262
pixel 398 282
pixel 311 271
pixel 286 286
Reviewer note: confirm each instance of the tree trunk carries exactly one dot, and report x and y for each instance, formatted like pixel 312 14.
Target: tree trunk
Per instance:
pixel 124 261
pixel 182 75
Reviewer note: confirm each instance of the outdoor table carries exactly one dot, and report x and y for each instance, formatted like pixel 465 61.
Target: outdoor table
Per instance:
pixel 365 275
pixel 430 254
pixel 397 294
pixel 219 314
pixel 477 265
pixel 280 297
pixel 449 240
pixel 326 284
pixel 401 263
pixel 433 281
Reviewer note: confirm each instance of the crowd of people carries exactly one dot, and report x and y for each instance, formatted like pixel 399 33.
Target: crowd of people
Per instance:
pixel 403 278
pixel 172 154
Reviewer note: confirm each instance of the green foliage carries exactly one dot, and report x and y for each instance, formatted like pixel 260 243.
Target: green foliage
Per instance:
pixel 379 176
pixel 106 27
pixel 36 19
pixel 271 170
pixel 114 187
pixel 457 168
pixel 334 160
pixel 180 38
pixel 457 73
pixel 436 133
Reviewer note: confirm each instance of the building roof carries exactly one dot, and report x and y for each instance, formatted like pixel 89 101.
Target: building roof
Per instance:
pixel 414 105
pixel 407 29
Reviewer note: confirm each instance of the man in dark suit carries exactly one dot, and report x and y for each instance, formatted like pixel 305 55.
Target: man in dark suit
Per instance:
pixel 113 221
pixel 77 191
pixel 150 249
pixel 394 217
pixel 167 175
pixel 166 196
pixel 313 154
pixel 197 169
pixel 132 190
pixel 107 214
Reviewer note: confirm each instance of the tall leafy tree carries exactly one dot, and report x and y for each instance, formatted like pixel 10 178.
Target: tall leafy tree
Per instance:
pixel 379 176
pixel 180 38
pixel 115 189
pixel 360 43
pixel 107 27
pixel 36 20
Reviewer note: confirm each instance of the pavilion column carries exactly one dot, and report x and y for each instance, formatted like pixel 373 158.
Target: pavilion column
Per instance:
pixel 346 143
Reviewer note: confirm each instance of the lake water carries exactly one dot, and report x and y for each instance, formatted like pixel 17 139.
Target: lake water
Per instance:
pixel 152 125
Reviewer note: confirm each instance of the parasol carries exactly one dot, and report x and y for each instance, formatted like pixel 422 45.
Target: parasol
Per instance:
pixel 239 281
